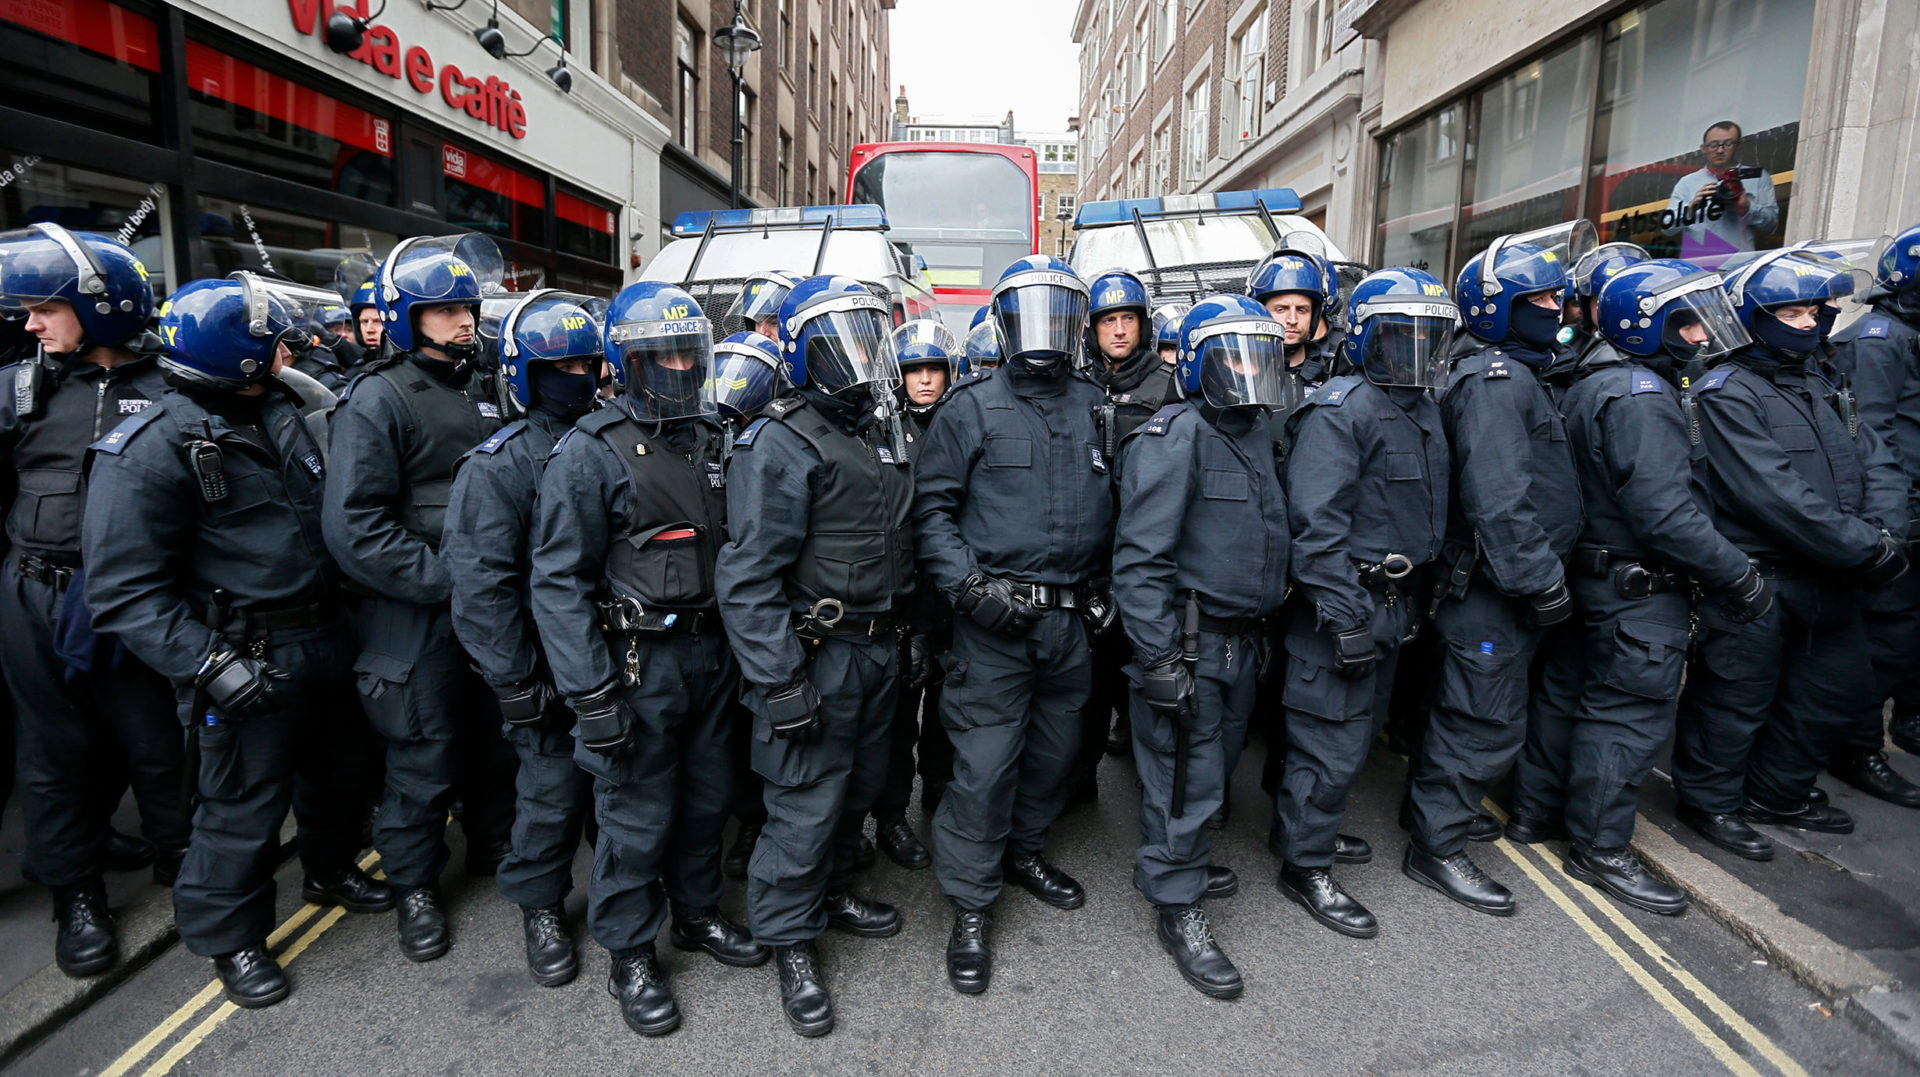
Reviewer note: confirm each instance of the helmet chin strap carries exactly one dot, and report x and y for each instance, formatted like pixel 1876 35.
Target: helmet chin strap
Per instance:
pixel 460 354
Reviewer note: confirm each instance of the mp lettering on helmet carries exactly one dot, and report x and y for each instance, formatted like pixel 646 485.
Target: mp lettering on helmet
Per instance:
pixel 457 269
pixel 573 321
pixel 1549 256
pixel 1433 289
pixel 678 310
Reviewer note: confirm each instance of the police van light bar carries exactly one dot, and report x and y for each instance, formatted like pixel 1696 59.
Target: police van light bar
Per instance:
pixel 1120 211
pixel 694 222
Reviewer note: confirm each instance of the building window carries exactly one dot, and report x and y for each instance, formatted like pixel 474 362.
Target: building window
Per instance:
pixel 1162 160
pixel 1137 176
pixel 813 72
pixel 786 34
pixel 1525 171
pixel 1165 18
pixel 833 106
pixel 813 182
pixel 1064 205
pixel 784 167
pixel 1142 53
pixel 1246 73
pixel 686 39
pixel 1194 138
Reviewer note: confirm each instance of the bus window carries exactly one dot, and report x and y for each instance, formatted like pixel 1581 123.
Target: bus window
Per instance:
pixel 970 215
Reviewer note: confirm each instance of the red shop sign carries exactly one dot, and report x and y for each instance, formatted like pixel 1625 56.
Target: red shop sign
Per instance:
pixel 490 100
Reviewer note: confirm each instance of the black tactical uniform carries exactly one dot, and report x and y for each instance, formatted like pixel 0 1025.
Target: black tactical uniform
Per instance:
pixel 395 438
pixel 188 558
pixel 1012 485
pixel 81 739
pixel 1766 703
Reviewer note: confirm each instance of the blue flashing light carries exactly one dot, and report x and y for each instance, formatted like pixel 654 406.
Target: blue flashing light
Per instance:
pixel 1222 203
pixel 694 222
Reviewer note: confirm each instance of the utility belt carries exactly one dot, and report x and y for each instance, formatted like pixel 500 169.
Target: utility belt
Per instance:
pixel 1632 579
pixel 626 616
pixel 1385 574
pixel 256 627
pixel 1233 626
pixel 53 574
pixel 828 617
pixel 1051 596
pixel 1778 570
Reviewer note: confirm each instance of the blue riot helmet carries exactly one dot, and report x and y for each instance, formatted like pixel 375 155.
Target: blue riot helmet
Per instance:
pixel 549 326
pixel 1494 283
pixel 352 272
pixel 364 298
pixel 1401 328
pixel 1166 328
pixel 432 271
pixel 1289 272
pixel 100 278
pixel 980 315
pixel 1862 257
pixel 1897 272
pixel 661 349
pixel 983 346
pixel 1041 309
pixel 223 334
pixel 1233 355
pixel 334 318
pixel 928 342
pixel 1112 291
pixel 1597 266
pixel 1788 278
pixel 835 335
pixel 758 304
pixel 748 373
pixel 1667 307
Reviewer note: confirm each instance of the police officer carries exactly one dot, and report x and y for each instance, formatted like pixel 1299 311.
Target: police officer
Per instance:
pixel 1880 355
pixel 749 373
pixel 1767 702
pixel 203 536
pixel 1122 357
pixel 395 438
pixel 1648 532
pixel 86 301
pixel 757 308
pixel 1297 286
pixel 983 346
pixel 814 586
pixel 368 330
pixel 1166 329
pixel 1199 564
pixel 1366 505
pixel 335 323
pixel 1015 517
pixel 630 518
pixel 550 359
pixel 930 362
pixel 1513 519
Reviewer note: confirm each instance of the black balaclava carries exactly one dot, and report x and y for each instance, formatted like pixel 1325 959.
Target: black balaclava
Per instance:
pixel 558 393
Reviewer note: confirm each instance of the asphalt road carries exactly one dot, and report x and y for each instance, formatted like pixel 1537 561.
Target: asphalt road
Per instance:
pixel 1570 984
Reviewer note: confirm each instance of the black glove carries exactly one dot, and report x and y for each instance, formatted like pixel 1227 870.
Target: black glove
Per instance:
pixel 523 705
pixel 1167 687
pixel 794 711
pixel 606 725
pixel 1888 563
pixel 1353 653
pixel 1553 605
pixel 239 686
pixel 919 661
pixel 991 603
pixel 1748 599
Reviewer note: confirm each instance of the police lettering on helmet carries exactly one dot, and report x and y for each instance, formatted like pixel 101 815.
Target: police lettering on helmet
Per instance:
pixel 661 351
pixel 1232 355
pixel 1040 306
pixel 1402 328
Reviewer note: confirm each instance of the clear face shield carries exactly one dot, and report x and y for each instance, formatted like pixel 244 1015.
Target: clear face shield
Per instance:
pixel 667 365
pixel 924 337
pixel 1862 259
pixel 758 302
pixel 1243 364
pixel 1407 341
pixel 40 262
pixel 271 316
pixel 1700 320
pixel 983 345
pixel 1041 314
pixel 1305 244
pixel 849 345
pixel 744 379
pixel 1581 275
pixel 1832 281
pixel 351 272
pixel 304 303
pixel 1561 247
pixel 434 267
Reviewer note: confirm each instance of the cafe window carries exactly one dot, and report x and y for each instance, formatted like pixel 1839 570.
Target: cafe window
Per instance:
pixel 586 227
pixel 1419 180
pixel 261 121
pixel 85 62
pixel 1527 129
pixel 238 235
pixel 480 194
pixel 36 189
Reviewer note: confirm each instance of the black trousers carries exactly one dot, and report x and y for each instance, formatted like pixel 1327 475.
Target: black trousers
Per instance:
pixel 1892 619
pixel 553 798
pixel 917 743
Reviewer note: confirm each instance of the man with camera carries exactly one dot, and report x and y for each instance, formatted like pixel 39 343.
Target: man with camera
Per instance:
pixel 1720 207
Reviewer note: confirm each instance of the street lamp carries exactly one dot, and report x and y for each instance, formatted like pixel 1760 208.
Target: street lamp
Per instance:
pixel 738 41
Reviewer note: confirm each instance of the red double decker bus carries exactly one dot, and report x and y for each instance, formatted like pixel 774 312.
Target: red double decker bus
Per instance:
pixel 969 209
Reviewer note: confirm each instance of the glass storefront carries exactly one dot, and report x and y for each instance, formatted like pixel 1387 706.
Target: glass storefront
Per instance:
pixel 86 62
pixel 35 189
pixel 234 235
pixel 1672 125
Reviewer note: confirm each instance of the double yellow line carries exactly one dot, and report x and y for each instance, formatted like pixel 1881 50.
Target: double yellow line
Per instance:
pixel 130 1061
pixel 1550 875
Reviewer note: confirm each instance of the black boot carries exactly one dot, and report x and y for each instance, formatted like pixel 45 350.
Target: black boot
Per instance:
pixel 803 989
pixel 1483 828
pixel 251 977
pixel 741 851
pixel 1527 829
pixel 1221 882
pixel 1044 881
pixel 126 852
pixel 550 954
pixel 970 951
pixel 1904 729
pixel 901 844
pixel 1221 815
pixel 861 916
pixel 1870 773
pixel 354 891
pixel 639 985
pixel 1620 873
pixel 1314 890
pixel 1822 818
pixel 1186 934
pixel 166 864
pixel 728 942
pixel 84 942
pixel 422 925
pixel 1459 878
pixel 1729 832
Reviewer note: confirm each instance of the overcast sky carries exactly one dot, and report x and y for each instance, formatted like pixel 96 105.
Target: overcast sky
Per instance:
pixel 967 59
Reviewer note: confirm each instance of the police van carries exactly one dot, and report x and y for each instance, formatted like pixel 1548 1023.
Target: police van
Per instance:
pixel 715 251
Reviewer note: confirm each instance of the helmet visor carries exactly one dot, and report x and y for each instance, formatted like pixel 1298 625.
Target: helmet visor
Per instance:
pixel 1561 247
pixel 983 344
pixel 559 323
pixel 1407 342
pixel 758 302
pixel 439 267
pixel 848 344
pixel 1582 274
pixel 667 365
pixel 1041 313
pixel 1697 312
pixel 924 341
pixel 744 380
pixel 42 263
pixel 351 272
pixel 1302 243
pixel 275 310
pixel 1243 364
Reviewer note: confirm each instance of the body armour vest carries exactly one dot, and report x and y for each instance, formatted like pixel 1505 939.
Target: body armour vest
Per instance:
pixel 447 421
pixel 663 553
pixel 74 410
pixel 859 549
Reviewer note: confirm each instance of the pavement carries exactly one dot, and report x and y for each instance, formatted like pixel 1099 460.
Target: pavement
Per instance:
pixel 1572 983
